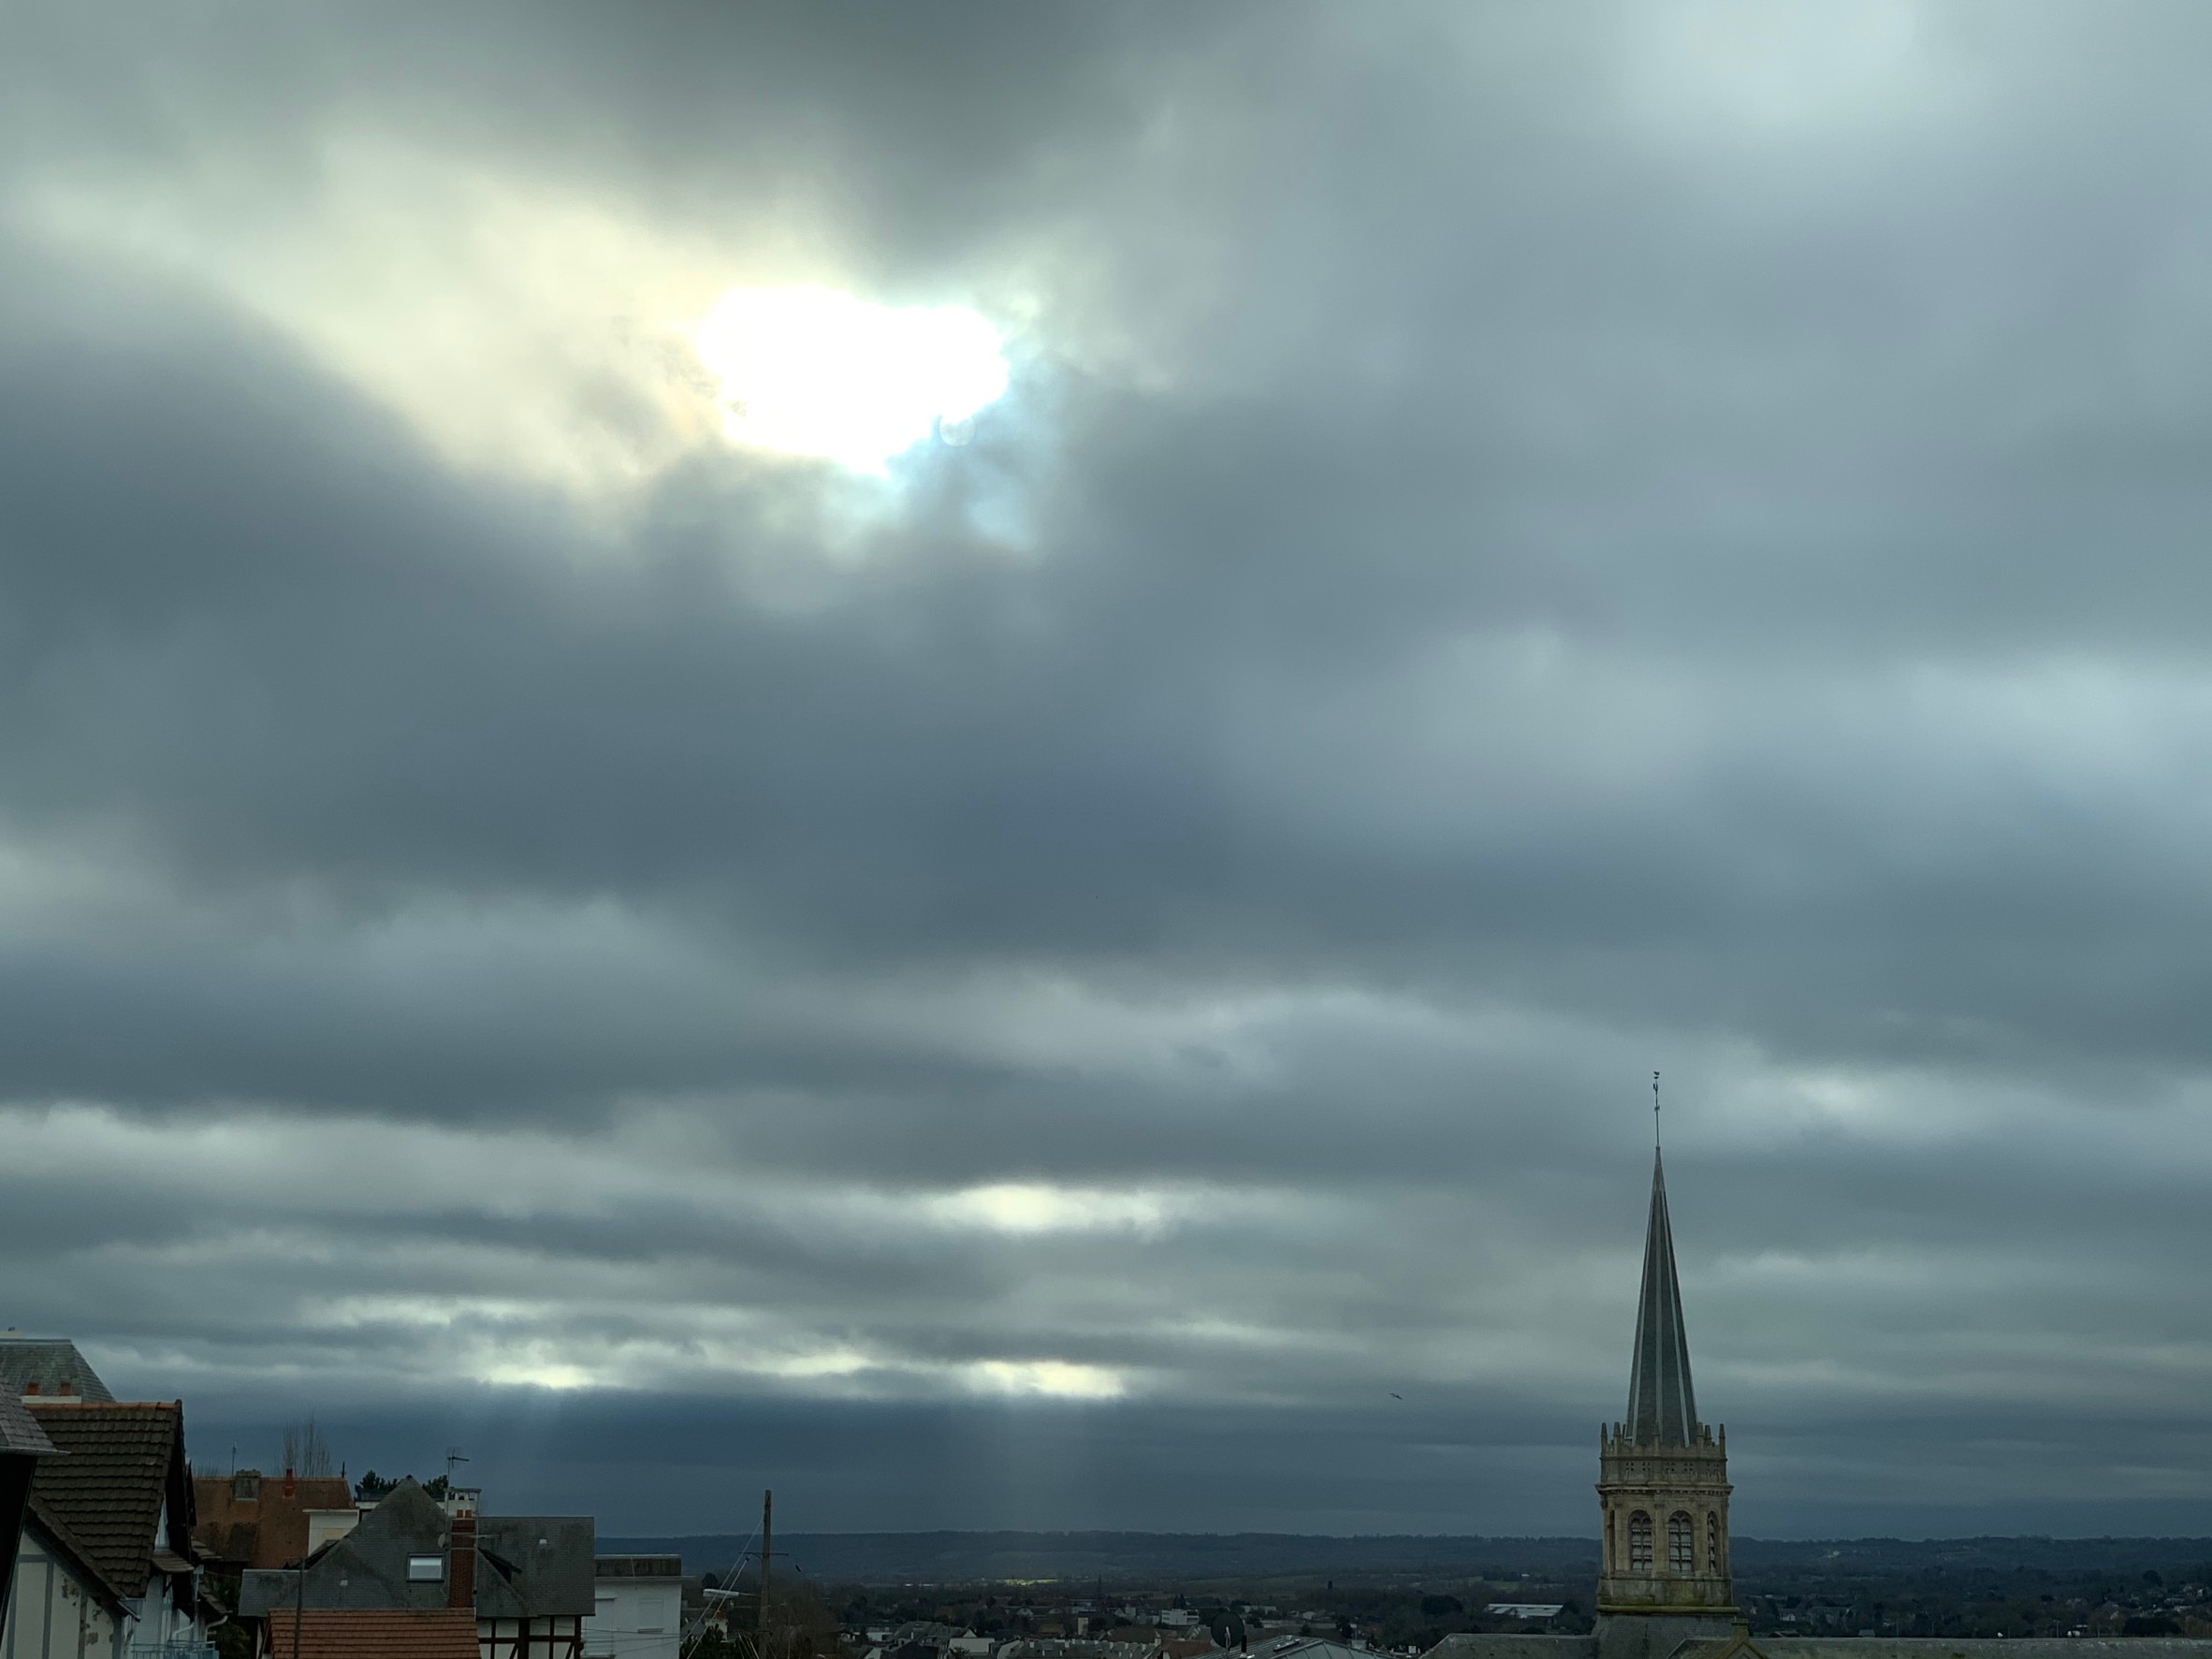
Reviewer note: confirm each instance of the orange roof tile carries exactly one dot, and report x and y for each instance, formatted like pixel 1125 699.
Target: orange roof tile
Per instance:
pixel 378 1634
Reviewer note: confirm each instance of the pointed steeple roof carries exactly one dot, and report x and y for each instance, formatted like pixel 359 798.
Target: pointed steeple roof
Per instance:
pixel 1662 1409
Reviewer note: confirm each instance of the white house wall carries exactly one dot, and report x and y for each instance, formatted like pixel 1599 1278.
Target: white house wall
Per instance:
pixel 634 1618
pixel 50 1615
pixel 156 1620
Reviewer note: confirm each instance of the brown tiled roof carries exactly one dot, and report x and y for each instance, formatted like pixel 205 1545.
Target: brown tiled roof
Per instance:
pixel 61 1537
pixel 329 1634
pixel 108 1490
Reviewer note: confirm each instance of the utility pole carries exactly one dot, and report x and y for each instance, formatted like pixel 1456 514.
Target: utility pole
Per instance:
pixel 767 1549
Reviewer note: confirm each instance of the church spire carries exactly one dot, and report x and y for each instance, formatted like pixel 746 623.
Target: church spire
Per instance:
pixel 1662 1409
pixel 1662 1475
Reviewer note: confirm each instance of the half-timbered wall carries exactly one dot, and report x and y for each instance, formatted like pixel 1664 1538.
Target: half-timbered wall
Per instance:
pixel 558 1635
pixel 51 1615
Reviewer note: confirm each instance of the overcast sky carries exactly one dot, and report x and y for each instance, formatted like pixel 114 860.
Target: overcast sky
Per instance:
pixel 1047 975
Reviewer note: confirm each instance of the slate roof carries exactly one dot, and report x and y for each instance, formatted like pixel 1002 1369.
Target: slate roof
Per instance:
pixel 49 1365
pixel 531 1565
pixel 362 1635
pixel 365 1571
pixel 528 1567
pixel 122 1461
pixel 19 1432
pixel 1662 1406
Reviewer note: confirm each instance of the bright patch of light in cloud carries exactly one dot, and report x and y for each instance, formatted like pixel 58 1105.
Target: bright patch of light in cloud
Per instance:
pixel 1026 1207
pixel 1059 1378
pixel 538 1373
pixel 810 370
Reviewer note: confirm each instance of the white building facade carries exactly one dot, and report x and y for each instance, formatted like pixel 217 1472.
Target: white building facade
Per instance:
pixel 637 1608
pixel 59 1608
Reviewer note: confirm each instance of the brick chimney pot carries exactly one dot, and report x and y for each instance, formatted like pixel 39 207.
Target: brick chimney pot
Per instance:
pixel 460 1566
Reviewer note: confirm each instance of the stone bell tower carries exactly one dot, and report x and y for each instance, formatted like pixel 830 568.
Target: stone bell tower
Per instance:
pixel 1663 1476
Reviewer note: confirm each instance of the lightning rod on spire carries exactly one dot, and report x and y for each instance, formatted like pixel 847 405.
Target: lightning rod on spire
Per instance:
pixel 1655 1112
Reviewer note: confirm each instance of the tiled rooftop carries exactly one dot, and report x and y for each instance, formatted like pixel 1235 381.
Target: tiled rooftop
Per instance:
pixel 375 1635
pixel 61 1537
pixel 108 1489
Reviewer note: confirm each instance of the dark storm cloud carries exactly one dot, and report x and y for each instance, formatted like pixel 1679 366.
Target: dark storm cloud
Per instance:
pixel 1542 551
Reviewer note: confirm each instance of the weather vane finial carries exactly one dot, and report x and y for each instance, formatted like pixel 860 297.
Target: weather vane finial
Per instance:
pixel 1655 1112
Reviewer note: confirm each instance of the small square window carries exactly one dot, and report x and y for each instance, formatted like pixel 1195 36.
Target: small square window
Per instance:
pixel 425 1569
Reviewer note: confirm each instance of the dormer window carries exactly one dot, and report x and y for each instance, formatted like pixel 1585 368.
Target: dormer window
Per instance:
pixel 425 1569
pixel 245 1486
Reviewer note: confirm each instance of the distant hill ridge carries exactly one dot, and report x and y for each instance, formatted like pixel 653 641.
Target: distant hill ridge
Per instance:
pixel 951 1557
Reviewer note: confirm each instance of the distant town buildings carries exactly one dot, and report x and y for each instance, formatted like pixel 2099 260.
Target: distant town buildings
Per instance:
pixel 1076 1648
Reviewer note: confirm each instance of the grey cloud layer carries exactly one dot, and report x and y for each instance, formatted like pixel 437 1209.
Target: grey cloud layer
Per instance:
pixel 1551 551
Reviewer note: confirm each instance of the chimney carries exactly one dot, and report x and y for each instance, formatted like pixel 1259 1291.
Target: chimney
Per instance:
pixel 461 1566
pixel 290 1486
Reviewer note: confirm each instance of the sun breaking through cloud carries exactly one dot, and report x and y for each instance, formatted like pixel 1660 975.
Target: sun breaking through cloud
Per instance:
pixel 810 371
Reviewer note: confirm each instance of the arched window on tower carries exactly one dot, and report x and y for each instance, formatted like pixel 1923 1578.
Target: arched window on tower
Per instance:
pixel 1712 1543
pixel 1639 1542
pixel 1682 1559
